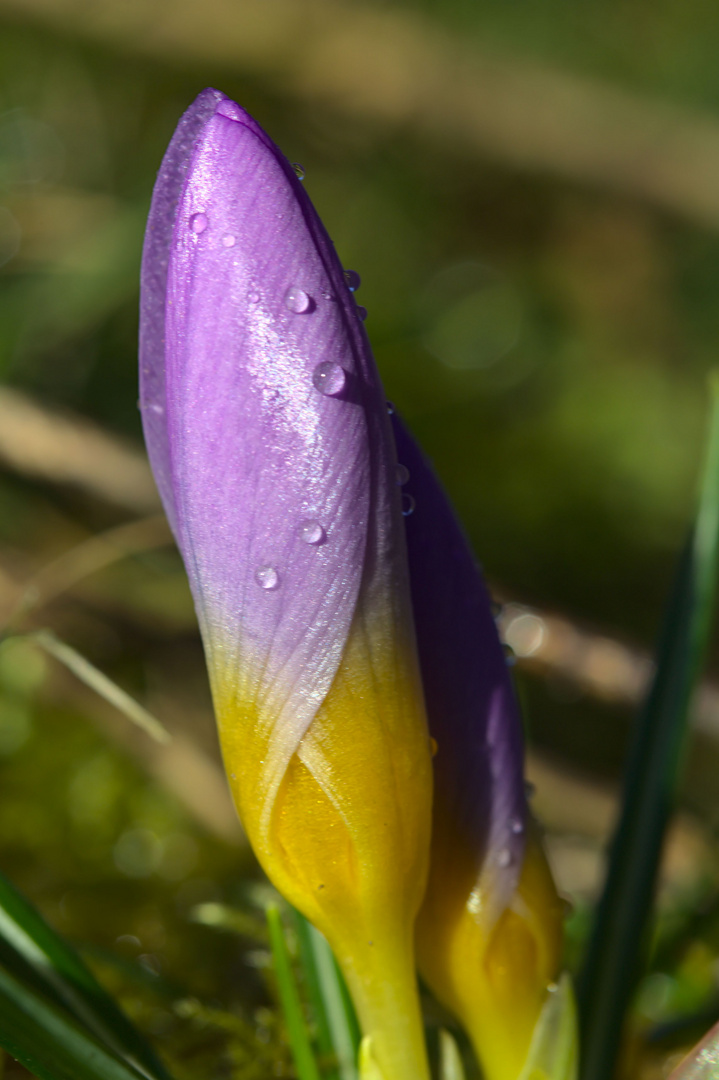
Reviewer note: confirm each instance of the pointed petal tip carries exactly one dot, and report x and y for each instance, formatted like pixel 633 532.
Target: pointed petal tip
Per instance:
pixel 553 1053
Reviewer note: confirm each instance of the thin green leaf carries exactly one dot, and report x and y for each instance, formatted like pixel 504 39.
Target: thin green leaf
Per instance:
pixel 618 942
pixel 35 954
pixel 290 1000
pixel 338 1008
pixel 101 684
pixel 49 1043
pixel 323 1037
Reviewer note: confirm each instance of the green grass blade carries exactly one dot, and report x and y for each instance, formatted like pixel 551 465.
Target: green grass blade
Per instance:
pixel 618 942
pixel 33 953
pixel 338 1007
pixel 48 1042
pixel 290 1000
pixel 313 986
pixel 81 667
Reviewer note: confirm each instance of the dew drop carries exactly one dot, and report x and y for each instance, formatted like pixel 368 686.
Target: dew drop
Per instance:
pixel 408 504
pixel 254 297
pixel 361 312
pixel 228 241
pixel 504 858
pixel 267 577
pixel 312 532
pixel 352 280
pixel 159 410
pixel 552 988
pixel 516 826
pixel 329 379
pixel 390 408
pixel 401 475
pixel 297 300
pixel 299 170
pixel 198 223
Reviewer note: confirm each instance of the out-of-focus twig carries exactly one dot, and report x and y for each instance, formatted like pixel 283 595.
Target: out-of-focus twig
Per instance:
pixel 578 812
pixel 181 766
pixel 82 669
pixel 94 554
pixel 46 444
pixel 594 664
pixel 401 69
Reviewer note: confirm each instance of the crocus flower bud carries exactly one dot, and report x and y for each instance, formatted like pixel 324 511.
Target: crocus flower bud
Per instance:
pixel 489 933
pixel 268 434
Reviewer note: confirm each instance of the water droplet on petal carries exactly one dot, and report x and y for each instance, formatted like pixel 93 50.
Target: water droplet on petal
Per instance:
pixel 267 577
pixel 297 300
pixel 552 988
pixel 299 170
pixel 401 475
pixel 254 297
pixel 390 408
pixel 157 409
pixel 408 504
pixel 504 858
pixel 361 312
pixel 352 280
pixel 312 532
pixel 516 826
pixel 228 241
pixel 329 379
pixel 198 223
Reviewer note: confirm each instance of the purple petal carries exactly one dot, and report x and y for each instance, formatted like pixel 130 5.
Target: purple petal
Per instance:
pixel 471 705
pixel 155 256
pixel 265 420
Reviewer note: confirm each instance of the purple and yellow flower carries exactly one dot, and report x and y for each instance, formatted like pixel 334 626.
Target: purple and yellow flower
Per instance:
pixel 272 447
pixel 489 932
pixel 270 441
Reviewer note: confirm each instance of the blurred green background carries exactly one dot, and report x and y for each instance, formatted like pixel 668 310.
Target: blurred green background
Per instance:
pixel 530 192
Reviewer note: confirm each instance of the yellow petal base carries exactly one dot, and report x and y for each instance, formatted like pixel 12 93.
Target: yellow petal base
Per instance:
pixel 347 837
pixel 494 980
